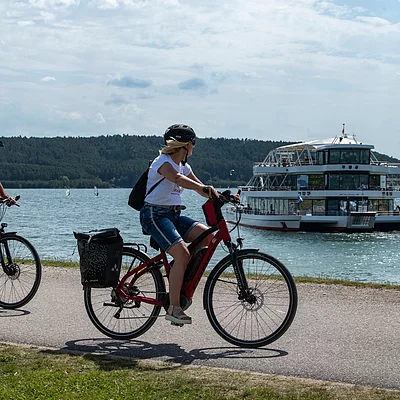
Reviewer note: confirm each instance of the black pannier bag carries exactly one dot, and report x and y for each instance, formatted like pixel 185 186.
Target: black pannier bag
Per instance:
pixel 100 253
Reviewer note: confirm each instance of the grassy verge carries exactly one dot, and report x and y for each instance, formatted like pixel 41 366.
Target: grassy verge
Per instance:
pixel 299 279
pixel 30 373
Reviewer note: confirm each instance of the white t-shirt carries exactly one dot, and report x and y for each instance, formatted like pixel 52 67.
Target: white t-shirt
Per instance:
pixel 165 193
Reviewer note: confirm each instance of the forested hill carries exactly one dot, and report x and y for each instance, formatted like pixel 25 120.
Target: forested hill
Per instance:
pixel 118 161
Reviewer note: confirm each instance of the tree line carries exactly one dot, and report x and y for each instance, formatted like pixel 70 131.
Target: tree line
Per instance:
pixel 119 160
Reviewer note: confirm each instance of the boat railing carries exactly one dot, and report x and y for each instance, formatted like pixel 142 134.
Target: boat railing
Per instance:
pixel 313 188
pixel 310 213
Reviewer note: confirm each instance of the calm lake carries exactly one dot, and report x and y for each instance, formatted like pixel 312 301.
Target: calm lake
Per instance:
pixel 48 217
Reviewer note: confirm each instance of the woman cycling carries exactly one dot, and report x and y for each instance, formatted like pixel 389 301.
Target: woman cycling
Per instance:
pixel 161 216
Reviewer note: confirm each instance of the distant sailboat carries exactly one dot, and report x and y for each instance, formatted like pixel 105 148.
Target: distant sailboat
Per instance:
pixel 67 192
pixel 95 191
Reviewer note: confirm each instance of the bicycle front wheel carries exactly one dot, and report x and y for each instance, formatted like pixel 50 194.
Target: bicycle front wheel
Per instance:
pixel 118 317
pixel 21 271
pixel 258 315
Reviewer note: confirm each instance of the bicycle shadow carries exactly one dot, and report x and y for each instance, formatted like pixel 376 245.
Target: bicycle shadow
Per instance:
pixel 137 350
pixel 8 313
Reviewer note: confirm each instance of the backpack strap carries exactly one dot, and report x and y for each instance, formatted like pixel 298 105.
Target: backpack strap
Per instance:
pixel 154 186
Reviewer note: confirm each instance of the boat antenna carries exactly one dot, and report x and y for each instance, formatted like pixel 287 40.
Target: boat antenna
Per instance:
pixel 343 131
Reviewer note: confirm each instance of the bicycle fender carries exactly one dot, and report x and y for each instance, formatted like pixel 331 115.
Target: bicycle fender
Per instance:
pixel 7 234
pixel 223 261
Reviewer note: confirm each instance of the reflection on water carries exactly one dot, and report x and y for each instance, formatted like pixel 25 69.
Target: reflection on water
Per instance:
pixel 47 217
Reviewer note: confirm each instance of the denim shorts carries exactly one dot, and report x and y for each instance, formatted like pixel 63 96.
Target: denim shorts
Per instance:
pixel 165 225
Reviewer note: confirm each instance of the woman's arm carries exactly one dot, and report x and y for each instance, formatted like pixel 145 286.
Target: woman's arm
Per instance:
pixel 188 182
pixel 3 193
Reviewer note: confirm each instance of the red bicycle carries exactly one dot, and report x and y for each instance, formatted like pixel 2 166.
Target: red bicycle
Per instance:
pixel 250 297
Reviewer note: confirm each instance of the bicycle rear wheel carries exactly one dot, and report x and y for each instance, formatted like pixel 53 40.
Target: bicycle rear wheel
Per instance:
pixel 20 272
pixel 261 314
pixel 117 317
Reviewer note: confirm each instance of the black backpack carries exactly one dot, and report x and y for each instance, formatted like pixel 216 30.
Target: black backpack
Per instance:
pixel 138 193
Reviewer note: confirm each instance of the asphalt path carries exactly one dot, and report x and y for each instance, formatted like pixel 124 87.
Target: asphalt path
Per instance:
pixel 340 334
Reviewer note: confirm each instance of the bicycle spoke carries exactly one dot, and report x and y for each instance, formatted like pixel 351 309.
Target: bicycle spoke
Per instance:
pixel 262 312
pixel 121 318
pixel 20 271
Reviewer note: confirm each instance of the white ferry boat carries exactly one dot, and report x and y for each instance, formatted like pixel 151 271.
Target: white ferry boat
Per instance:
pixel 330 185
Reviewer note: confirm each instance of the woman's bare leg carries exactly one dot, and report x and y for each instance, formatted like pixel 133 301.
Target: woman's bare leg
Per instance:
pixel 181 256
pixel 196 232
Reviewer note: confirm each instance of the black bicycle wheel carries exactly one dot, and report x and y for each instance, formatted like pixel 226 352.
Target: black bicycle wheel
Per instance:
pixel 20 272
pixel 262 314
pixel 117 317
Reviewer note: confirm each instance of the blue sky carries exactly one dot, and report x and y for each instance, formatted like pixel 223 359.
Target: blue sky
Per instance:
pixel 271 70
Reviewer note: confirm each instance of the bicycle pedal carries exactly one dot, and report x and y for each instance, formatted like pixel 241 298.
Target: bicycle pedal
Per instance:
pixel 175 324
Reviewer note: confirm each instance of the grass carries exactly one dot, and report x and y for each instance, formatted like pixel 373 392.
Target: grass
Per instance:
pixel 298 279
pixel 41 374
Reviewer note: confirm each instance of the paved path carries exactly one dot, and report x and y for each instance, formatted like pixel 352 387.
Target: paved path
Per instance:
pixel 340 334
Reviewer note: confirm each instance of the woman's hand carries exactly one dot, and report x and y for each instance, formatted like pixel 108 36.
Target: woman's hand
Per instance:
pixel 210 192
pixel 11 200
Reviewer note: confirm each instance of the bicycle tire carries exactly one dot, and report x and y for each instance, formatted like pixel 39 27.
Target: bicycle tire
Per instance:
pixel 21 274
pixel 271 310
pixel 102 304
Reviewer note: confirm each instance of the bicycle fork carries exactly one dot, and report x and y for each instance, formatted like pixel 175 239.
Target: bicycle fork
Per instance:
pixel 7 264
pixel 245 293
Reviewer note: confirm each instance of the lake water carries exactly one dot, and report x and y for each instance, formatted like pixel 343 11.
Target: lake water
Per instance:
pixel 47 217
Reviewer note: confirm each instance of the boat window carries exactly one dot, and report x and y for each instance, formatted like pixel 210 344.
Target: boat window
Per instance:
pixel 393 182
pixel 363 205
pixel 318 207
pixel 305 207
pixel 381 205
pixel 290 181
pixel 320 157
pixel 316 182
pixel 350 156
pixel 302 181
pixel 292 206
pixel 364 156
pixel 348 181
pixel 334 156
pixel 375 182
pixel 334 181
pixel 326 155
pixel 332 207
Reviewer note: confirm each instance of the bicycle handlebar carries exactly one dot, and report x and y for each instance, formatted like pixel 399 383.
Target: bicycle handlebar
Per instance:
pixel 225 196
pixel 9 203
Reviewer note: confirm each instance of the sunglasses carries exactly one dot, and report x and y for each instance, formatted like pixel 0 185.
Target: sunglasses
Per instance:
pixel 193 141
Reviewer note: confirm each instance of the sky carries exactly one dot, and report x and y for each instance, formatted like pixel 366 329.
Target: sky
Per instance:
pixel 292 70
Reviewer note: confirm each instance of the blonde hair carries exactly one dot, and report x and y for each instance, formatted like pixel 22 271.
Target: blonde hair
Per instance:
pixel 173 146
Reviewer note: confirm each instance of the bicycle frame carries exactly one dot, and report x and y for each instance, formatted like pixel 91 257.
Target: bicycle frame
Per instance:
pixel 188 287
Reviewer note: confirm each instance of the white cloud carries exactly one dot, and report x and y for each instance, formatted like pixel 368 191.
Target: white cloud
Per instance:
pixel 267 69
pixel 68 115
pixel 47 16
pixel 106 4
pixel 374 21
pixel 48 79
pixel 129 110
pixel 25 23
pixel 53 4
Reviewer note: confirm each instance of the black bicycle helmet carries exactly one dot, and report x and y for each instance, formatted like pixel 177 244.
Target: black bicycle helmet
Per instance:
pixel 180 132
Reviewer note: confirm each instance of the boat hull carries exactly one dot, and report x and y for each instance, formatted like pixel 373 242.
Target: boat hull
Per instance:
pixel 311 223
